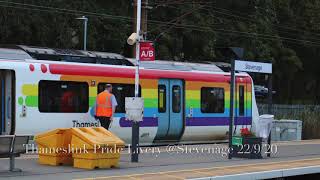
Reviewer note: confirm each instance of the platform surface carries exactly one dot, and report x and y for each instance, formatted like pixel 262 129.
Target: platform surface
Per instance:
pixel 175 162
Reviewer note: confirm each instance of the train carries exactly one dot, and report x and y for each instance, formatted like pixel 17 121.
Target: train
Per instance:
pixel 48 88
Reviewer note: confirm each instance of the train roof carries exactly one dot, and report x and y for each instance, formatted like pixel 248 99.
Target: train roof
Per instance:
pixel 182 66
pixel 22 52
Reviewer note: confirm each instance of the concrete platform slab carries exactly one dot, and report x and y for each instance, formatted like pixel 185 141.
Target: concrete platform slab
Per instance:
pixel 174 162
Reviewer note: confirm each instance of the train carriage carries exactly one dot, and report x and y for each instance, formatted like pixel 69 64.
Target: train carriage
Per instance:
pixel 43 88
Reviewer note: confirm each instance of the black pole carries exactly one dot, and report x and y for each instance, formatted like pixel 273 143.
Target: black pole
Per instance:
pixel 232 87
pixel 135 142
pixel 269 108
pixel 269 93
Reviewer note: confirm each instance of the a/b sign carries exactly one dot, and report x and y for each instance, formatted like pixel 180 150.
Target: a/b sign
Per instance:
pixel 249 66
pixel 147 51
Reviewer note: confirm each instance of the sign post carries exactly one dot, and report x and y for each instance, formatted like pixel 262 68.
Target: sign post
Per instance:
pixel 134 109
pixel 231 121
pixel 269 106
pixel 135 124
pixel 247 66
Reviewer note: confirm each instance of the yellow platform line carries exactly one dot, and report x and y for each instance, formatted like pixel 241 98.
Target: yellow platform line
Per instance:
pixel 201 169
pixel 201 172
pixel 285 143
pixel 170 175
pixel 303 142
pixel 163 149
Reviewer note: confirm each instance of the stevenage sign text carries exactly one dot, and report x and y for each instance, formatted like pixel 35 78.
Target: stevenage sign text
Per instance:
pixel 249 66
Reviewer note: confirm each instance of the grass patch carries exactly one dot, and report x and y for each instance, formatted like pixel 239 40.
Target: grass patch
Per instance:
pixel 310 122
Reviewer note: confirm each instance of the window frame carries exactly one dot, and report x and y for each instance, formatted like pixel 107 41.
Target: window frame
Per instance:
pixel 114 85
pixel 243 107
pixel 164 109
pixel 201 100
pixel 173 99
pixel 87 105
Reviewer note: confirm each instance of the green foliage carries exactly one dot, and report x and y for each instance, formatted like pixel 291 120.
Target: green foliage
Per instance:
pixel 310 122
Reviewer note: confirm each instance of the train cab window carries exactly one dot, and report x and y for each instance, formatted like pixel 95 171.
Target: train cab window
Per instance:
pixel 241 100
pixel 63 97
pixel 120 91
pixel 176 99
pixel 162 99
pixel 212 100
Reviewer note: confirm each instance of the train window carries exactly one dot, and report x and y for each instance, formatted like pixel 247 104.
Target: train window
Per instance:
pixel 212 100
pixel 241 100
pixel 63 97
pixel 120 91
pixel 162 99
pixel 176 99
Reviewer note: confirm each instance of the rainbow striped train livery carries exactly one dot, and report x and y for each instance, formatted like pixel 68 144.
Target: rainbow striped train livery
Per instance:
pixel 184 102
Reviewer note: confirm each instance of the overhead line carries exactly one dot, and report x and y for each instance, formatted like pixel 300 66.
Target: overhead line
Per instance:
pixel 241 17
pixel 179 26
pixel 272 24
pixel 244 34
pixel 125 18
pixel 278 30
pixel 71 11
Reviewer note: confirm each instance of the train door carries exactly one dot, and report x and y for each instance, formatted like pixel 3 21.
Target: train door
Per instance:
pixel 170 108
pixel 7 102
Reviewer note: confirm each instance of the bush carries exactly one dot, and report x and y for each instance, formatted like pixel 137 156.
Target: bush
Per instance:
pixel 310 122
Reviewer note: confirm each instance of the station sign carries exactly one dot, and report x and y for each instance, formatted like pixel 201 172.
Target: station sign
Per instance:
pixel 249 66
pixel 147 52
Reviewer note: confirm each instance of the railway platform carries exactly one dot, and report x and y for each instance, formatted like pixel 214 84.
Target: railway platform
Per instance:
pixel 206 161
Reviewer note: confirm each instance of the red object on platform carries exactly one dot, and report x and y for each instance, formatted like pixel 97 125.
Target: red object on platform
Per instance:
pixel 147 52
pixel 245 132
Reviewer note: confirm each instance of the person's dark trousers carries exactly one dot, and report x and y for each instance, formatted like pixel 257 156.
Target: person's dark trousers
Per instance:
pixel 104 121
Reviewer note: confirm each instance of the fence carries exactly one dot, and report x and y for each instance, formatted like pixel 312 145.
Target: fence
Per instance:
pixel 282 110
pixel 308 114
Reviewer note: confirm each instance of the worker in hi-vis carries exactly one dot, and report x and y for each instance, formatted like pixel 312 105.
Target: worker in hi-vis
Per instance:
pixel 105 106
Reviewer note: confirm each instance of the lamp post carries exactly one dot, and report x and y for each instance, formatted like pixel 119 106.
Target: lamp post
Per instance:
pixel 136 125
pixel 85 24
pixel 135 38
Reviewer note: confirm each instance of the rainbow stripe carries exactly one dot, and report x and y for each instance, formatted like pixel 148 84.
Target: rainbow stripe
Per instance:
pixel 193 96
pixel 94 75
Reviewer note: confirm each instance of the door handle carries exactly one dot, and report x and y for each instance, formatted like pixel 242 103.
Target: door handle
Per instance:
pixel 9 108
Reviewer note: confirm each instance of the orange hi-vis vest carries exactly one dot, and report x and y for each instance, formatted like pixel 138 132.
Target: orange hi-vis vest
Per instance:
pixel 104 104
